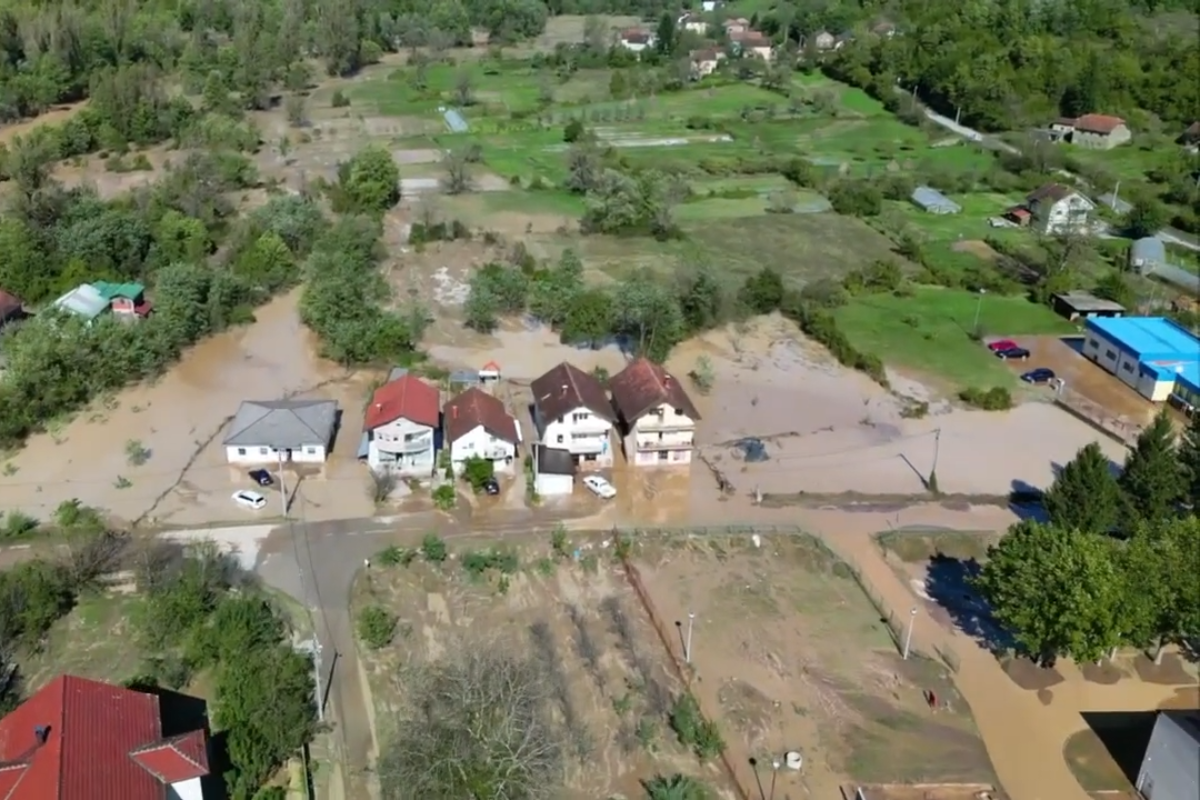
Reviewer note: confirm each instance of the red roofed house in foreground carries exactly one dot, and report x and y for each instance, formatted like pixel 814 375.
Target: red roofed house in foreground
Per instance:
pixel 477 424
pixel 1094 131
pixel 656 416
pixel 400 423
pixel 79 739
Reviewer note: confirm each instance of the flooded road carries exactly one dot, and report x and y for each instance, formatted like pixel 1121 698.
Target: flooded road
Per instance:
pixel 174 418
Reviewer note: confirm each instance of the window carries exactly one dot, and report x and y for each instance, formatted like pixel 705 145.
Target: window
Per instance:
pixel 590 457
pixel 1093 343
pixel 312 451
pixel 241 451
pixel 1127 367
pixel 1110 355
pixel 679 412
pixel 262 451
pixel 558 439
pixel 580 416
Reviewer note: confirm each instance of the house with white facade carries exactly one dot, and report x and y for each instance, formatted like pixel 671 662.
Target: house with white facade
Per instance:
pixel 705 62
pixel 80 739
pixel 635 40
pixel 478 425
pixel 274 431
pixel 400 425
pixel 572 412
pixel 656 417
pixel 1055 208
pixel 693 22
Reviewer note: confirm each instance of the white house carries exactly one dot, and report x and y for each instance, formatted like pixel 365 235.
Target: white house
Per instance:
pixel 751 44
pixel 553 471
pixel 572 412
pixel 709 6
pixel 478 425
pixel 693 23
pixel 705 62
pixel 657 418
pixel 1056 208
pixel 400 424
pixel 269 431
pixel 635 40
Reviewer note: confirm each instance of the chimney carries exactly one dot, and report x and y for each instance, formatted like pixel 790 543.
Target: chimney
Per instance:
pixel 41 733
pixel 454 412
pixel 666 381
pixel 564 390
pixel 379 406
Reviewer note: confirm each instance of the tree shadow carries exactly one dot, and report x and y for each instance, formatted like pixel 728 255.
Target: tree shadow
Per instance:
pixel 1025 500
pixel 1125 735
pixel 948 583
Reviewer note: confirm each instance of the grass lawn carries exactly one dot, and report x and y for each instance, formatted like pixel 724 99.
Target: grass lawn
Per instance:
pixel 1128 162
pixel 929 331
pixel 972 223
pixel 918 546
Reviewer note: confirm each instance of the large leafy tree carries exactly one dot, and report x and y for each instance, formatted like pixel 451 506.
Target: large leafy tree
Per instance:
pixel 1058 590
pixel 368 183
pixel 1189 462
pixel 1160 569
pixel 1084 496
pixel 1152 482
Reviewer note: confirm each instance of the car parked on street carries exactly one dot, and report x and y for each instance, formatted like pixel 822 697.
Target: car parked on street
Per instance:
pixel 261 477
pixel 248 499
pixel 1002 344
pixel 1012 354
pixel 491 486
pixel 1039 375
pixel 599 487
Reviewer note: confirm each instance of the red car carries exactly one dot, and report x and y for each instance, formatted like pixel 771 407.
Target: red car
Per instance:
pixel 1002 344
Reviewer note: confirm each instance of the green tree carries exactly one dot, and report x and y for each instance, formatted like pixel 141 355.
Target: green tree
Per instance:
pixel 667 38
pixel 648 313
pixel 762 292
pixel 552 290
pixel 1085 495
pixel 588 318
pixel 676 787
pixel 701 298
pixel 1059 591
pixel 477 471
pixel 368 183
pixel 1152 482
pixel 1189 463
pixel 1146 218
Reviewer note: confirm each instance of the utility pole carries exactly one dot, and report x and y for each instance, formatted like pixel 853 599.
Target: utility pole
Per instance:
pixel 282 488
pixel 978 311
pixel 912 617
pixel 1116 191
pixel 687 644
pixel 316 639
pixel 937 446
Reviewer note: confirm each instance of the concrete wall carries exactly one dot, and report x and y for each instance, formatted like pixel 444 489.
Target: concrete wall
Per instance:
pixel 553 485
pixel 309 454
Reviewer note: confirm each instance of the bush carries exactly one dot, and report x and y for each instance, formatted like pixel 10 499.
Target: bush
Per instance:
pixel 995 399
pixel 693 730
pixel 376 626
pixel 433 548
pixel 820 325
pixel 477 471
pixel 444 496
pixel 396 556
pixel 477 562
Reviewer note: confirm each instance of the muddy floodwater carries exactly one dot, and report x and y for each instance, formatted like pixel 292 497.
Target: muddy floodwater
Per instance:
pixel 179 419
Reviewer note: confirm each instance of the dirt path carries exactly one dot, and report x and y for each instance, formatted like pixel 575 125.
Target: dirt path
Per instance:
pixel 1024 735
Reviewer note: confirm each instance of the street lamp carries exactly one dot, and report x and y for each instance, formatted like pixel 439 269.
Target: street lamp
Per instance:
pixel 912 617
pixel 978 309
pixel 687 644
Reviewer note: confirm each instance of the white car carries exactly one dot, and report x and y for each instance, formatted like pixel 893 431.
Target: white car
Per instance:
pixel 600 487
pixel 248 499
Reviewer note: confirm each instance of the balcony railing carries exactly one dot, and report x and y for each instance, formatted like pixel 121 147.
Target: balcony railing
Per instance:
pixel 667 422
pixel 664 444
pixel 405 446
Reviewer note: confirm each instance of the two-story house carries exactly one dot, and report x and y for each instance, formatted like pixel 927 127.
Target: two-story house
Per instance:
pixel 1055 208
pixel 693 23
pixel 635 40
pixel 751 44
pixel 705 62
pixel 656 417
pixel 572 412
pixel 478 425
pixel 1093 131
pixel 400 424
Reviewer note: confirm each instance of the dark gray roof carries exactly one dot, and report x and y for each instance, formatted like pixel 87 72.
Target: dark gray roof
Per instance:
pixel 927 197
pixel 283 424
pixel 1086 301
pixel 553 460
pixel 1149 248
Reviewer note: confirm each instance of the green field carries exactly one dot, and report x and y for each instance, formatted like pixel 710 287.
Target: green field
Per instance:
pixel 929 332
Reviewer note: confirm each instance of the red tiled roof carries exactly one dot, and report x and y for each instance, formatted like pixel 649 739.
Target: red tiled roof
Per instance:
pixel 179 759
pixel 1051 191
pixel 91 729
pixel 9 305
pixel 408 397
pixel 642 386
pixel 635 36
pixel 1098 123
pixel 476 407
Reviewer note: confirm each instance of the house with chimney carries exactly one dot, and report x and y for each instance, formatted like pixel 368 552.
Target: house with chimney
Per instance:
pixel 572 412
pixel 477 425
pixel 79 739
pixel 400 427
pixel 655 416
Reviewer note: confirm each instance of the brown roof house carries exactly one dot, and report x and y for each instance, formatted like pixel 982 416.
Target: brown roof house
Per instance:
pixel 751 44
pixel 1055 208
pixel 705 62
pixel 572 412
pixel 1093 131
pixel 635 40
pixel 477 425
pixel 656 417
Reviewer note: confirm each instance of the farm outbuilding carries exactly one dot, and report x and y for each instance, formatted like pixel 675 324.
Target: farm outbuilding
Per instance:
pixel 934 202
pixel 1147 253
pixel 1076 305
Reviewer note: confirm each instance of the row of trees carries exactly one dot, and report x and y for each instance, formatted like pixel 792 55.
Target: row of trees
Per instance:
pixel 1116 562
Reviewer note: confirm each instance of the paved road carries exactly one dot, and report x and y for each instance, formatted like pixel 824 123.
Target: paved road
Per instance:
pixel 1166 234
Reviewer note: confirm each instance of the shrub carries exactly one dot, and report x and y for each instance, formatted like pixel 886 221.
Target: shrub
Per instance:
pixel 444 496
pixel 376 626
pixel 396 556
pixel 477 562
pixel 339 99
pixel 693 730
pixel 478 471
pixel 433 548
pixel 996 398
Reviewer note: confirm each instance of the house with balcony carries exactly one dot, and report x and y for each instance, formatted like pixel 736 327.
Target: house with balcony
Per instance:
pixel 656 417
pixel 477 425
pixel 1055 208
pixel 572 412
pixel 79 739
pixel 400 425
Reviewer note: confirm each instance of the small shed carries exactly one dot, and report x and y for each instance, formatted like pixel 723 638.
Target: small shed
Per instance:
pixel 934 202
pixel 553 471
pixel 1077 305
pixel 1147 253
pixel 489 373
pixel 84 301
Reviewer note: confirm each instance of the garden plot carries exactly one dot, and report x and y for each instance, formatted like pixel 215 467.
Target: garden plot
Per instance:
pixel 580 621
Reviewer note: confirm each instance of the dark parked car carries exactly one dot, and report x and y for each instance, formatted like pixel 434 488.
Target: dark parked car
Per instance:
pixel 1039 375
pixel 491 486
pixel 261 477
pixel 1013 354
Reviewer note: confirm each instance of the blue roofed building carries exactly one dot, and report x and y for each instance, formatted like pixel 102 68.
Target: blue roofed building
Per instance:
pixel 1153 355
